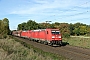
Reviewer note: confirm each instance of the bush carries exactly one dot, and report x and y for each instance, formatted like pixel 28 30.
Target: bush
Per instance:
pixel 5 36
pixel 66 35
pixel 0 36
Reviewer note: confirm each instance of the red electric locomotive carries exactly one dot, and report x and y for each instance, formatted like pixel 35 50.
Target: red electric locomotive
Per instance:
pixel 17 33
pixel 48 36
pixel 26 34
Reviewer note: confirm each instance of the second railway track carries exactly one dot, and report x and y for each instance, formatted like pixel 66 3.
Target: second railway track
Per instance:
pixel 73 53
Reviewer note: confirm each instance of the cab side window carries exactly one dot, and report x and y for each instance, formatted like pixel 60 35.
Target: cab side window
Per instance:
pixel 47 32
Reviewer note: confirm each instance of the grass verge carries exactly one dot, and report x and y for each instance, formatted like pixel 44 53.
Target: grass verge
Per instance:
pixel 14 49
pixel 41 52
pixel 77 41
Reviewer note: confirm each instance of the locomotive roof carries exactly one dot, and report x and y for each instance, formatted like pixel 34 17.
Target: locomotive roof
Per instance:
pixel 39 30
pixel 44 29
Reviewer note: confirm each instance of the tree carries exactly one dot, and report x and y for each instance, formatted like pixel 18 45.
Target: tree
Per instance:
pixel 71 27
pixel 0 26
pixel 80 29
pixel 4 28
pixel 64 28
pixel 56 25
pixel 6 25
pixel 6 21
pixel 83 30
pixel 41 26
pixel 52 26
pixel 77 31
pixel 88 30
pixel 31 25
pixel 19 27
pixel 24 26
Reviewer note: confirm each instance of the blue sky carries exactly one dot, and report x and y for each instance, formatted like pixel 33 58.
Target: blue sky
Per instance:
pixel 69 11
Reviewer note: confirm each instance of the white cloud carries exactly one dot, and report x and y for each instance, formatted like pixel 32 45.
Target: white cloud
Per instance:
pixel 50 9
pixel 41 1
pixel 55 10
pixel 42 6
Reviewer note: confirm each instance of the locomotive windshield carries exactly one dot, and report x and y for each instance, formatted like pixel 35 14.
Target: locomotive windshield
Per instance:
pixel 55 32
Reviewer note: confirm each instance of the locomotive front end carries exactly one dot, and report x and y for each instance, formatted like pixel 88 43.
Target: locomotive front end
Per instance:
pixel 56 37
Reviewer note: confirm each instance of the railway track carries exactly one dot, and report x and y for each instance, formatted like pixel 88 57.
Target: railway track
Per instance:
pixel 73 53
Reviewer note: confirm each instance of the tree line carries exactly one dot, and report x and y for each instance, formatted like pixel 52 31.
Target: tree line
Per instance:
pixel 65 28
pixel 4 28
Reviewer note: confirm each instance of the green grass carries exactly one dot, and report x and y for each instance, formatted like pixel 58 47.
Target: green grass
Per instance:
pixel 45 54
pixel 13 49
pixel 78 41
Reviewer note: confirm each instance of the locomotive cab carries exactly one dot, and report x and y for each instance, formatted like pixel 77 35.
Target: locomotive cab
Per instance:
pixel 56 37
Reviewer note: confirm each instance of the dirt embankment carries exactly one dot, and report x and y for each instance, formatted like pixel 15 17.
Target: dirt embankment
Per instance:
pixel 73 53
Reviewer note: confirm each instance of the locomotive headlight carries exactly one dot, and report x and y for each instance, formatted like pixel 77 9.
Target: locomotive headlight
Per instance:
pixel 59 37
pixel 53 36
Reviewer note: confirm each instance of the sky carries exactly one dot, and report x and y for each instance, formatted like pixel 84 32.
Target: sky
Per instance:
pixel 62 11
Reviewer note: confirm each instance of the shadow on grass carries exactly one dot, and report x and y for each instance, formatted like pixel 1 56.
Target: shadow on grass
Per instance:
pixel 65 43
